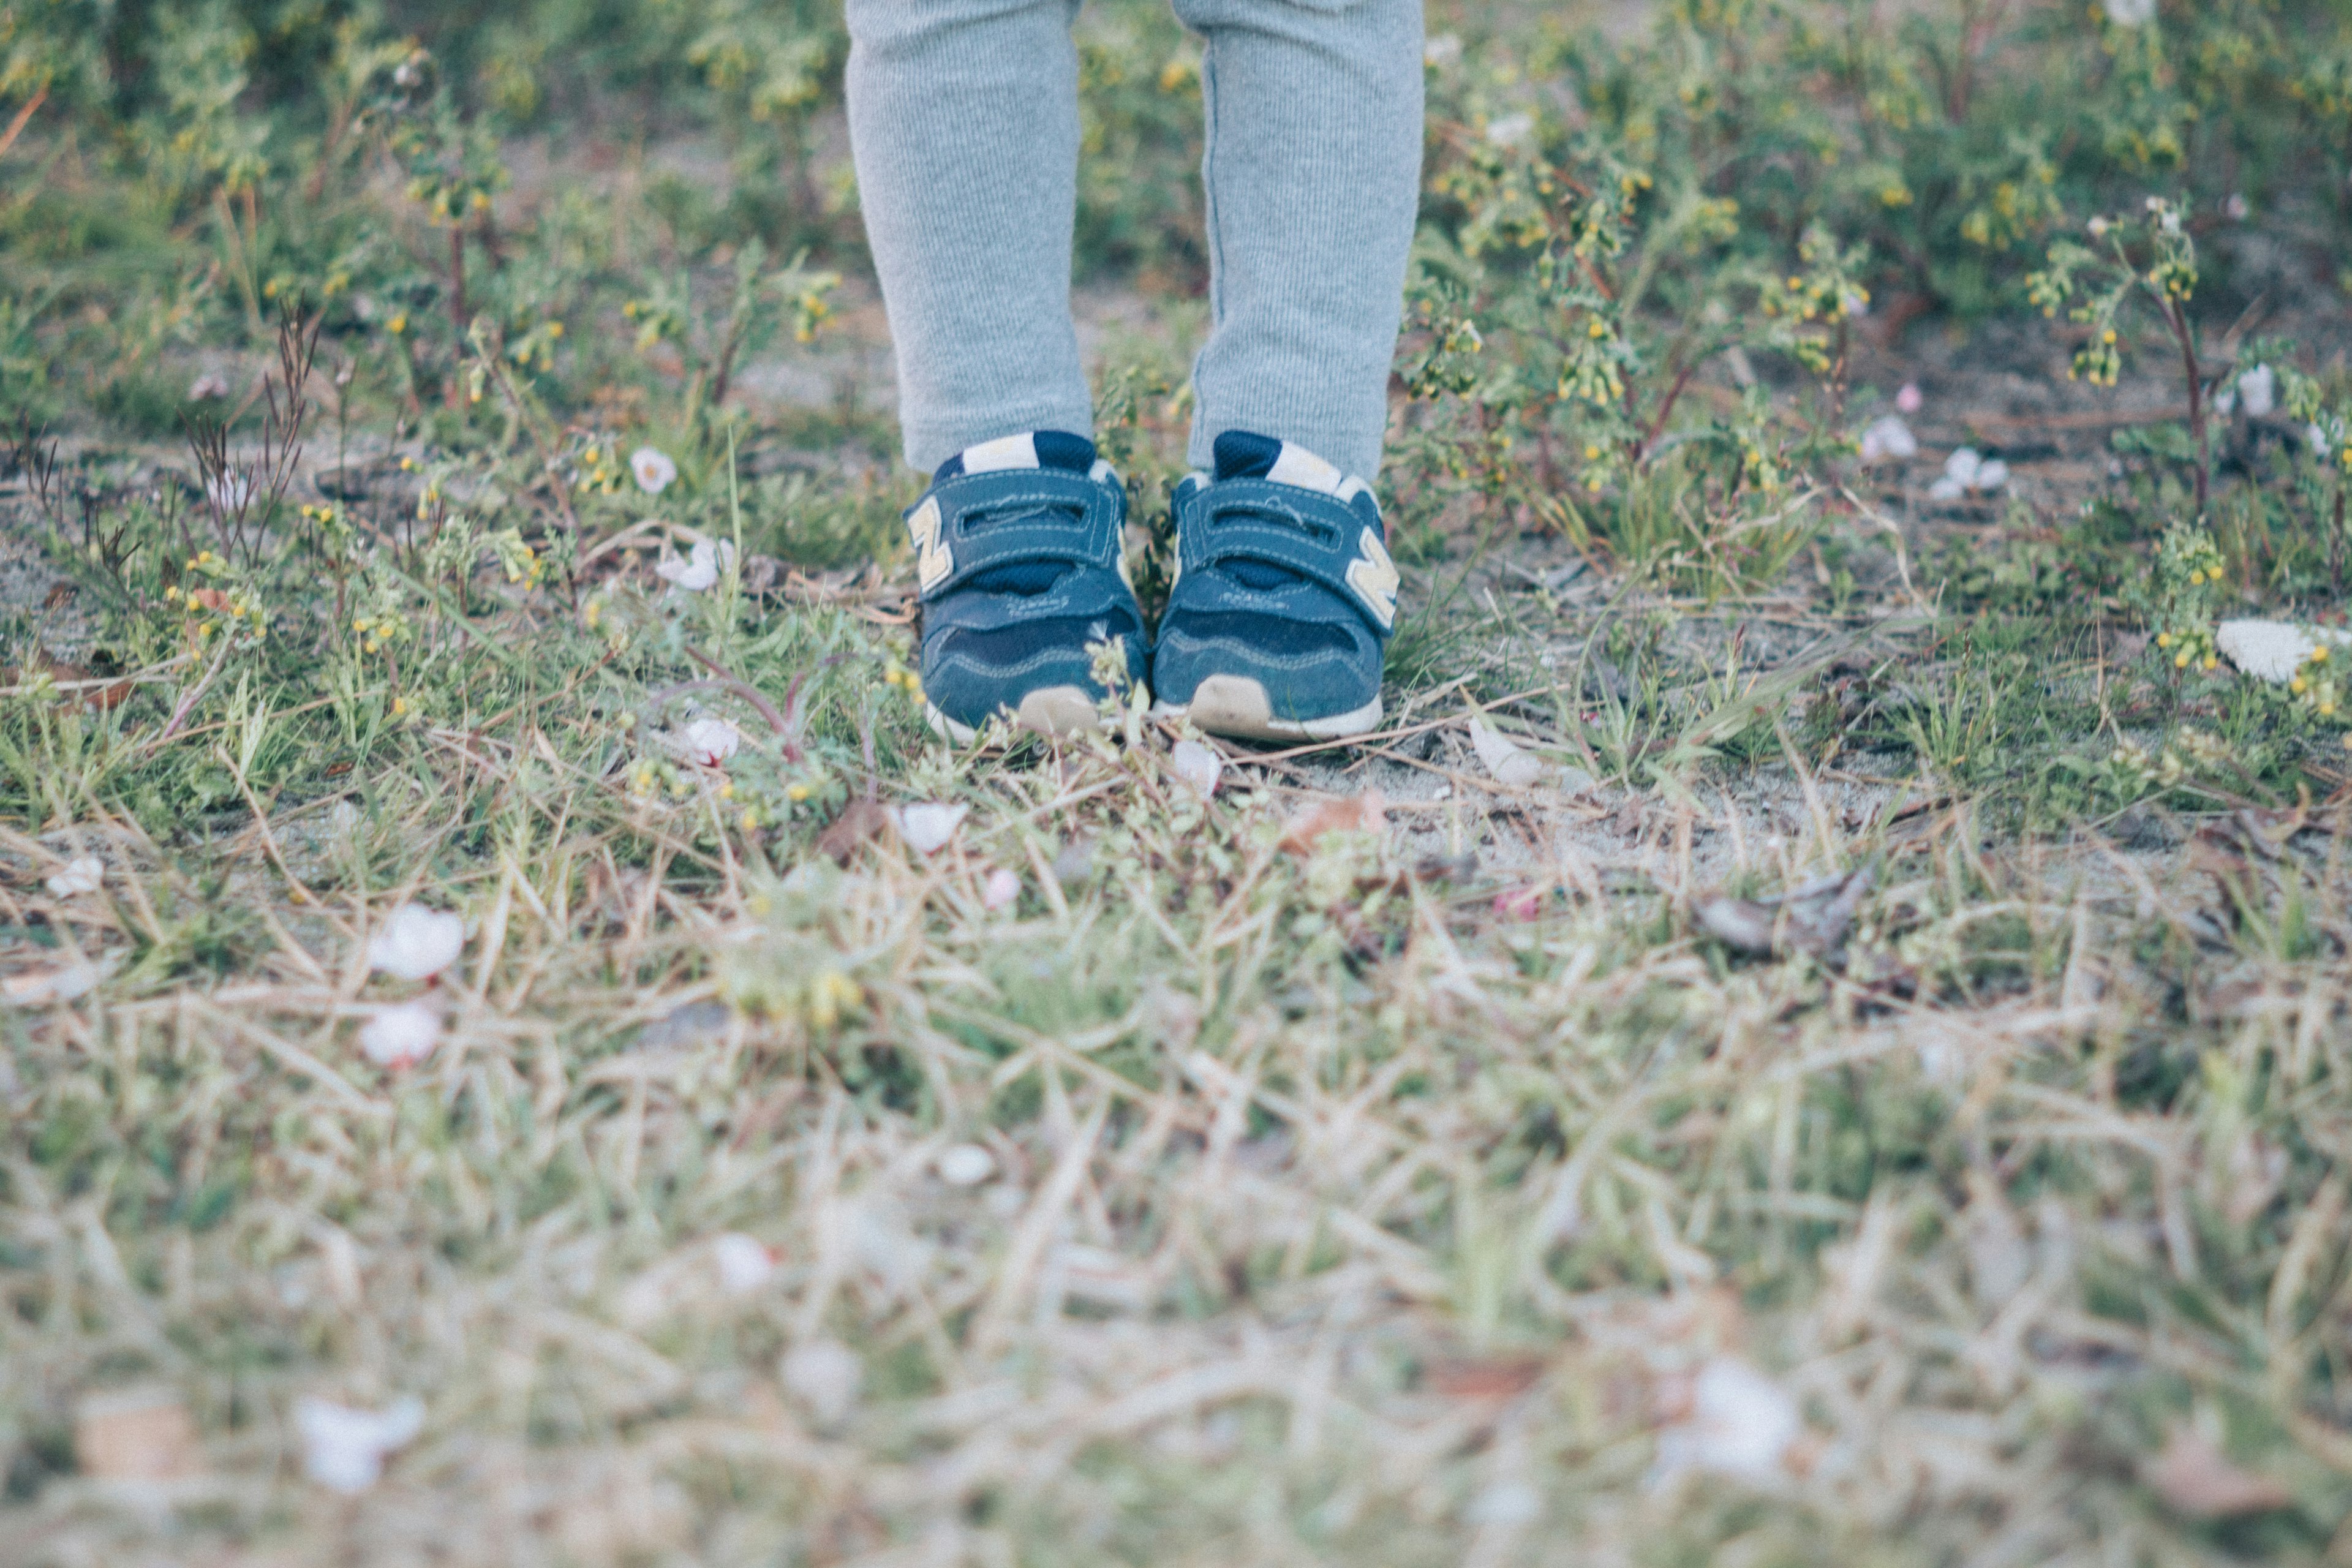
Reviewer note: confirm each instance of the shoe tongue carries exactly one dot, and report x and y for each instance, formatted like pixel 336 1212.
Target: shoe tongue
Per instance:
pixel 1034 449
pixel 1037 449
pixel 1246 454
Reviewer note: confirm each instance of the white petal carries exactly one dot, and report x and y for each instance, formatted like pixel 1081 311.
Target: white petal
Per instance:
pixel 343 1450
pixel 2267 651
pixel 2259 389
pixel 403 1034
pixel 964 1165
pixel 1197 765
pixel 822 1375
pixel 703 567
pixel 1502 757
pixel 929 826
pixel 1442 49
pixel 418 943
pixel 1908 399
pixel 1511 129
pixel 1947 489
pixel 82 874
pixel 706 742
pixel 1741 1424
pixel 744 1263
pixel 1991 474
pixel 1002 889
pixel 1888 438
pixel 1961 467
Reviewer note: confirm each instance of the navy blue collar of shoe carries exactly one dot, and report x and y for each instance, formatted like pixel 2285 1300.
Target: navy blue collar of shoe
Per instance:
pixel 1030 450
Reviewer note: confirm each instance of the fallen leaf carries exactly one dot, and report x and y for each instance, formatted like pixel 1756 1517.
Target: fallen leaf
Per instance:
pixel 1485 1377
pixel 345 1448
pixel 40 987
pixel 1364 813
pixel 860 822
pixel 93 691
pixel 135 1434
pixel 927 827
pixel 1813 917
pixel 1742 924
pixel 1502 757
pixel 2195 1478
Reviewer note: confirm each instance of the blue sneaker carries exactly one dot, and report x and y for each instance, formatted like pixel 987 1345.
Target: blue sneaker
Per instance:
pixel 1284 598
pixel 1018 554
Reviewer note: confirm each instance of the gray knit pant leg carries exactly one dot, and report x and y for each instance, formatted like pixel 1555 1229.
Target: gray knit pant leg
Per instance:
pixel 963 119
pixel 964 123
pixel 1313 171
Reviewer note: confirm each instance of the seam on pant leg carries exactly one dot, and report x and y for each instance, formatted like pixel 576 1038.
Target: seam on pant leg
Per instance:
pixel 1212 221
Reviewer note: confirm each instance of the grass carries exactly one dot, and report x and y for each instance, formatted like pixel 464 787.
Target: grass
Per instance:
pixel 1877 1096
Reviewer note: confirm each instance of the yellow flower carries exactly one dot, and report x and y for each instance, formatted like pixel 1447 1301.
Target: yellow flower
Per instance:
pixel 399 706
pixel 397 325
pixel 798 791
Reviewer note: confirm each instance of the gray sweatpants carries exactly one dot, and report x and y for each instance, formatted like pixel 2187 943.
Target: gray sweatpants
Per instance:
pixel 963 116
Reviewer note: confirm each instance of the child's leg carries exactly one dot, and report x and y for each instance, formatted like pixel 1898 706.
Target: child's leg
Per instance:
pixel 963 118
pixel 1313 171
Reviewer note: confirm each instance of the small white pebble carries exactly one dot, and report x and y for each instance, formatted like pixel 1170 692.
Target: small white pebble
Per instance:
pixel 965 1164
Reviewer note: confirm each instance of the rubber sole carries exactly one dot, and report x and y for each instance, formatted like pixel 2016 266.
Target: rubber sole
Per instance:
pixel 1048 710
pixel 1237 706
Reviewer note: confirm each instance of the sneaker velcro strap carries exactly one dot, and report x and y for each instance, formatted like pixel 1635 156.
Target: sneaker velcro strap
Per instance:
pixel 972 523
pixel 1318 537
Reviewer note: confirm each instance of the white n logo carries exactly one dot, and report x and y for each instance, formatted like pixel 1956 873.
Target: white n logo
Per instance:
pixel 933 559
pixel 1373 577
